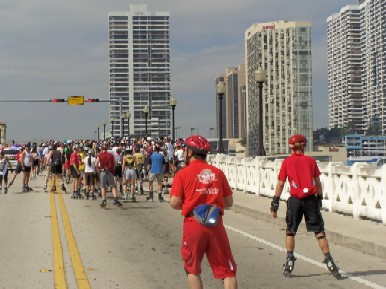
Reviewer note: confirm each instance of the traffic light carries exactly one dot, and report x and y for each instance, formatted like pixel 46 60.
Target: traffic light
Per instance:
pixel 59 100
pixel 93 100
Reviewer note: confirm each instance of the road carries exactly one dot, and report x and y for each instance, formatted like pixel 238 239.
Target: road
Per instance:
pixel 138 247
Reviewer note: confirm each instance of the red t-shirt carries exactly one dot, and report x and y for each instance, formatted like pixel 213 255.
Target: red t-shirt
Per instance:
pixel 301 171
pixel 74 159
pixel 106 160
pixel 200 183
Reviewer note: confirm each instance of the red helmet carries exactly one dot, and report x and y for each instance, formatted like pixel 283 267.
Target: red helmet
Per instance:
pixel 197 144
pixel 297 141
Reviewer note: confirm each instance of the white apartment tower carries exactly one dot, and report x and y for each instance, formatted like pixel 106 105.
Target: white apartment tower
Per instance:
pixel 139 61
pixel 344 69
pixel 373 46
pixel 283 50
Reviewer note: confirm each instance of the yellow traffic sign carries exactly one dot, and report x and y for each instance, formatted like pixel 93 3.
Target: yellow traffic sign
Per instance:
pixel 75 100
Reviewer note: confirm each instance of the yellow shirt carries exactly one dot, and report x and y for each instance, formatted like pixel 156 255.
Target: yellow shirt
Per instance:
pixel 139 159
pixel 81 164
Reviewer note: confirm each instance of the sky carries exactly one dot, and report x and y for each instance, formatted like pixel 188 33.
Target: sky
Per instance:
pixel 55 49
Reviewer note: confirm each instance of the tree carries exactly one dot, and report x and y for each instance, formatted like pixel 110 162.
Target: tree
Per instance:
pixel 374 129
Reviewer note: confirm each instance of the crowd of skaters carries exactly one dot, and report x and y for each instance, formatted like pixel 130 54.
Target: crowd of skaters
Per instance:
pixel 91 166
pixel 201 191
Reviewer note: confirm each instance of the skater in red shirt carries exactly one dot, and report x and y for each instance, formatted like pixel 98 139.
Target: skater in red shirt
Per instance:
pixel 201 190
pixel 306 195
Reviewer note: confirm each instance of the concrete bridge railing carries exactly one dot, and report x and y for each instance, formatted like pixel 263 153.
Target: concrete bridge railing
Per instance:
pixel 359 190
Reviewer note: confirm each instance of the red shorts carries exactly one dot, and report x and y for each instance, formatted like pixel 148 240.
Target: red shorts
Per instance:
pixel 198 240
pixel 66 165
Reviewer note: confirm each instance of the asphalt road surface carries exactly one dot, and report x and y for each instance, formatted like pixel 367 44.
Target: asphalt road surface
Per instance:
pixel 52 241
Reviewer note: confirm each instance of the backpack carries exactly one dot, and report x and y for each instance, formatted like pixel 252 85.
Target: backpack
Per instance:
pixel 56 160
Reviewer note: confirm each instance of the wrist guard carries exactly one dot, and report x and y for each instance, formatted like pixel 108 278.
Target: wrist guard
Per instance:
pixel 275 204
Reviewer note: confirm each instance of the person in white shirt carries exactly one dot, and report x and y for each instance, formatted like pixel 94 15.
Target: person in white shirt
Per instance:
pixel 4 166
pixel 179 161
pixel 89 174
pixel 27 160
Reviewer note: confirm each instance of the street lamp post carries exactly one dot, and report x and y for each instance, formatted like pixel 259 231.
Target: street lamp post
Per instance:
pixel 128 115
pixel 98 132
pixel 146 112
pixel 104 131
pixel 192 130
pixel 211 129
pixel 220 89
pixel 173 103
pixel 260 79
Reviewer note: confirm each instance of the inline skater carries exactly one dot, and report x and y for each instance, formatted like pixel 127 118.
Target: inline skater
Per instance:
pixel 139 159
pixel 27 160
pixel 118 157
pixel 75 173
pixel 201 192
pixel 306 195
pixel 128 169
pixel 57 160
pixel 105 166
pixel 5 165
pixel 156 167
pixel 89 175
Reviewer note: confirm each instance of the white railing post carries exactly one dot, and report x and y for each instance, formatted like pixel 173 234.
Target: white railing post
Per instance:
pixel 355 191
pixel 329 188
pixel 383 194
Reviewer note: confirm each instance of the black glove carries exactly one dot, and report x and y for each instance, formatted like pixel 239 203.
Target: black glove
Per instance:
pixel 319 199
pixel 275 204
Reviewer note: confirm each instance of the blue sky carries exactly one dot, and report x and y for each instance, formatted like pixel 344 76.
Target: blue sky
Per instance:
pixel 54 49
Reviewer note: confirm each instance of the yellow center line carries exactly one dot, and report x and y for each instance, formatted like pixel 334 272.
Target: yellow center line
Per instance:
pixel 80 274
pixel 59 277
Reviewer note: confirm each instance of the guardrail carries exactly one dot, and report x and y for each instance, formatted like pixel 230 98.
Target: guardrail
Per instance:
pixel 358 190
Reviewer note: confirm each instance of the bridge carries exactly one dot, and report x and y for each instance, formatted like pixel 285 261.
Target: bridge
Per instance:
pixel 358 190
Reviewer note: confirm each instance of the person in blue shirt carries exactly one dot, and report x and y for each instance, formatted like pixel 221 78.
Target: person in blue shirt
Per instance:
pixel 156 167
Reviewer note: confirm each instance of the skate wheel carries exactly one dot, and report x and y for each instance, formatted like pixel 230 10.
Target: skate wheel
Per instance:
pixel 287 274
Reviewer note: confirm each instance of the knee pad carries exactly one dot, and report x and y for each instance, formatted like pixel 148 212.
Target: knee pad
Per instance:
pixel 320 237
pixel 289 233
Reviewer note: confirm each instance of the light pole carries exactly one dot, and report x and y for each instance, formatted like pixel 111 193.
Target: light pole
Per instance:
pixel 128 115
pixel 98 131
pixel 260 79
pixel 104 131
pixel 211 129
pixel 146 112
pixel 192 130
pixel 220 89
pixel 173 103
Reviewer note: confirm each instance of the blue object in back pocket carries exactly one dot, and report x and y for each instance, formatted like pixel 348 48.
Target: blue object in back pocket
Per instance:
pixel 207 215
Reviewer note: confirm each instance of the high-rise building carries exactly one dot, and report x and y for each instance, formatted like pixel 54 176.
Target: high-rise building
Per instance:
pixel 345 96
pixel 283 50
pixel 139 55
pixel 233 104
pixel 357 67
pixel 373 47
pixel 242 98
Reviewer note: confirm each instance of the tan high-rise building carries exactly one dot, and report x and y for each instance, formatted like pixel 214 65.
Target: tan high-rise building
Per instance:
pixel 283 50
